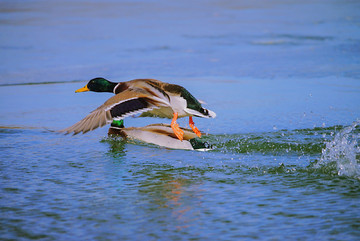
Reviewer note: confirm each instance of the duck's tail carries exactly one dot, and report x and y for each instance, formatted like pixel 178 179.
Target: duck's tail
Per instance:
pixel 212 114
pixel 205 113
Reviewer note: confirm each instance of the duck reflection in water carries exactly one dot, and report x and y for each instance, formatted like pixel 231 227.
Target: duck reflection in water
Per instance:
pixel 173 196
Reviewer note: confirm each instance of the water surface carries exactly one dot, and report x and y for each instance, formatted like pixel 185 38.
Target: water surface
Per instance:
pixel 282 76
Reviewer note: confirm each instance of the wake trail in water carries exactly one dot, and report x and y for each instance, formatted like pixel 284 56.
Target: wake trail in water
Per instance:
pixel 283 142
pixel 335 150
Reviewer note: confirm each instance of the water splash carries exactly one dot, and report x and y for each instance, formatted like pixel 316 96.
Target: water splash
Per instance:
pixel 299 142
pixel 335 149
pixel 341 156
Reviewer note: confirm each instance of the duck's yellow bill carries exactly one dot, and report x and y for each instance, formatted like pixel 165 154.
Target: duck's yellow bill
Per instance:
pixel 83 89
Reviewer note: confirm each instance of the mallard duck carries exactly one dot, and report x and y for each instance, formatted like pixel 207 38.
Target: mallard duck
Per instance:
pixel 149 97
pixel 161 135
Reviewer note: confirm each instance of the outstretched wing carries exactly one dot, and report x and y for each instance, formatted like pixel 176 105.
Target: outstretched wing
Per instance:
pixel 118 107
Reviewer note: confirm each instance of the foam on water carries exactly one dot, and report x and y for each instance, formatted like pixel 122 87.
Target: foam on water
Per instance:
pixel 341 156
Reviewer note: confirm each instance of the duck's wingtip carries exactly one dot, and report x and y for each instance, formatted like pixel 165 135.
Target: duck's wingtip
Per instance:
pixel 64 131
pixel 50 130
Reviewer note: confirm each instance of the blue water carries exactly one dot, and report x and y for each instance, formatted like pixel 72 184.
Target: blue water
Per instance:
pixel 282 76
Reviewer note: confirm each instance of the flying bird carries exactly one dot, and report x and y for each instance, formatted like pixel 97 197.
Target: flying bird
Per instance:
pixel 148 97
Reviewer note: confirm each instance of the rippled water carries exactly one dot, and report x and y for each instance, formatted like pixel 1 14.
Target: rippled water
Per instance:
pixel 251 186
pixel 283 78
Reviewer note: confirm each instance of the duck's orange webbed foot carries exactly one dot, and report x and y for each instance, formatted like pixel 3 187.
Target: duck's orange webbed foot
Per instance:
pixel 193 127
pixel 175 127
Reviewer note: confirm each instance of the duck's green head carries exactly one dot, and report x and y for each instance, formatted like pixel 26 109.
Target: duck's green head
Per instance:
pixel 98 85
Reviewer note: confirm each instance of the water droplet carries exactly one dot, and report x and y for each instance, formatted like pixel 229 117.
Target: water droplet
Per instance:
pixel 341 154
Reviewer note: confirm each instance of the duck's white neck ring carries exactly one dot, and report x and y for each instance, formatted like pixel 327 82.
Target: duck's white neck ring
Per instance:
pixel 116 88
